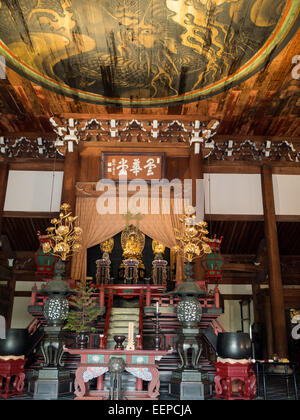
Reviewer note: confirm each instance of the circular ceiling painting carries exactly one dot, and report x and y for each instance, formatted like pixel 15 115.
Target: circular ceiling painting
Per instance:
pixel 143 52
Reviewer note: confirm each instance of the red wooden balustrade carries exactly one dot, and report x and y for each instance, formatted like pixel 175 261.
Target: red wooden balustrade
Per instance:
pixel 33 326
pixel 148 295
pixel 217 326
pixel 151 294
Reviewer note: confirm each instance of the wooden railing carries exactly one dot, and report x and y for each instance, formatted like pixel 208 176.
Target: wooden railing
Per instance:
pixel 217 326
pixel 33 326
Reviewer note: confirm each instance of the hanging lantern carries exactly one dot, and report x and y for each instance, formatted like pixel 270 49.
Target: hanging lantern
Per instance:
pixel 44 261
pixel 213 262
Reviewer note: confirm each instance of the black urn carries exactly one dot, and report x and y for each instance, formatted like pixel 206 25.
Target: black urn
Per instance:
pixel 16 342
pixel 234 345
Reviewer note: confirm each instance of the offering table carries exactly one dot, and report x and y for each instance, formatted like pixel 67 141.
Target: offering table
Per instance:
pixel 139 363
pixel 11 367
pixel 228 373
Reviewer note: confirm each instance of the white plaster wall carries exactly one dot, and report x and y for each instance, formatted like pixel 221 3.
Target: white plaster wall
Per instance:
pixel 21 318
pixel 286 194
pixel 231 318
pixel 36 191
pixel 233 194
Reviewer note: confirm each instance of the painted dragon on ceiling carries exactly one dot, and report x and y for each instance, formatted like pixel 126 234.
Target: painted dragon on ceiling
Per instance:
pixel 143 52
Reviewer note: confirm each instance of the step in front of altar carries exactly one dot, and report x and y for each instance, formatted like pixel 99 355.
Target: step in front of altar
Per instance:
pixel 118 325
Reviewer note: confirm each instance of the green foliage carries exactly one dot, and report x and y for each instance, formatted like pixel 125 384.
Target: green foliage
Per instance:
pixel 84 310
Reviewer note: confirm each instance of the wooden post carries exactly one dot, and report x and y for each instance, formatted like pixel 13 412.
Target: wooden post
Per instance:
pixel 11 280
pixel 269 328
pixel 102 297
pixel 256 292
pixel 11 288
pixel 196 172
pixel 4 169
pixel 274 271
pixel 148 296
pixel 261 261
pixel 71 171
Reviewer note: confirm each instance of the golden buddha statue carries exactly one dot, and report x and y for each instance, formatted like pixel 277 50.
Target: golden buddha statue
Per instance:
pixel 132 248
pixel 133 242
pixel 107 246
pixel 158 249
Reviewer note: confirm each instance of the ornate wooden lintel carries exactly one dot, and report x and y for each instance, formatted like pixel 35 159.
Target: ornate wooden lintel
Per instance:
pixel 132 130
pixel 255 150
pixel 28 147
pixel 124 133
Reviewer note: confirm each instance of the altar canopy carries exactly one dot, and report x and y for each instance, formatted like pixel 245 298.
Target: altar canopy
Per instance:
pixel 99 227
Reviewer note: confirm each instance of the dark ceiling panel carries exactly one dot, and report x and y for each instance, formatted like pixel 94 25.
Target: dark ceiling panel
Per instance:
pixel 22 232
pixel 289 238
pixel 239 237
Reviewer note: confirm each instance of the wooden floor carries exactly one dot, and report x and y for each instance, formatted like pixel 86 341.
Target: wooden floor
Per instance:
pixel 276 390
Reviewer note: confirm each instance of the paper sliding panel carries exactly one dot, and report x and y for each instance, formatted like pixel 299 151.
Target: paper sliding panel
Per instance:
pixel 287 194
pixel 33 191
pixel 233 194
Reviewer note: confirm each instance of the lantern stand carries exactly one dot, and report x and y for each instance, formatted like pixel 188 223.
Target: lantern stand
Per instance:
pixel 45 262
pixel 53 380
pixel 189 382
pixel 213 264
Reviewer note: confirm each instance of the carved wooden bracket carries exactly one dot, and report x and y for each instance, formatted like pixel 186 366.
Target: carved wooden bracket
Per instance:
pixel 143 131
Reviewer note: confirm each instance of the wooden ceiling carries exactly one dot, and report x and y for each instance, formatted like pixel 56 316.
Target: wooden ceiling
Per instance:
pixel 231 60
pixel 22 232
pixel 243 237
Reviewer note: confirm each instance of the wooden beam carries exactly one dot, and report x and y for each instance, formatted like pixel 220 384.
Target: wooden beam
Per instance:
pixel 219 137
pixel 29 164
pixel 249 167
pixel 22 293
pixel 140 117
pixel 236 296
pixel 172 150
pixel 30 135
pixel 30 214
pixel 233 217
pixel 251 268
pixel 274 270
pixel 249 218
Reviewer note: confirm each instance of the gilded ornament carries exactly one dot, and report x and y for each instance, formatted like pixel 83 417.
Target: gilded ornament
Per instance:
pixel 64 237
